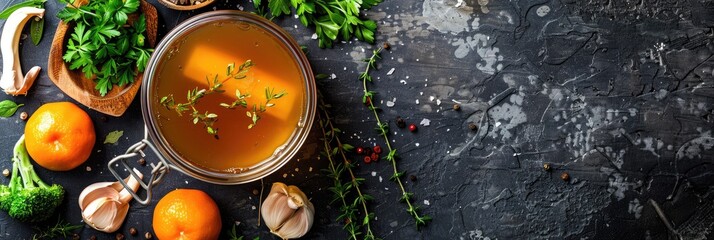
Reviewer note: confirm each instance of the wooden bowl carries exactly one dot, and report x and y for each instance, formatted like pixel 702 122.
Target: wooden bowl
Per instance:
pixel 173 6
pixel 74 84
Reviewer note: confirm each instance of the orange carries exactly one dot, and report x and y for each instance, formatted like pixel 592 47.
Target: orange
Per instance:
pixel 187 214
pixel 59 136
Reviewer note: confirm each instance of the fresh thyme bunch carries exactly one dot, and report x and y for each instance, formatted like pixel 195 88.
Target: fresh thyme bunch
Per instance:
pixel 335 152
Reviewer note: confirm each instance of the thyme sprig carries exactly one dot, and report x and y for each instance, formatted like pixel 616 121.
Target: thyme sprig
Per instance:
pixel 270 95
pixel 339 165
pixel 61 229
pixel 215 85
pixel 383 130
pixel 194 95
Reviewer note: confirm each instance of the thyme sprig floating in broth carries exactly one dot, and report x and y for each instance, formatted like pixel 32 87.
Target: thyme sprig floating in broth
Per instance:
pixel 215 85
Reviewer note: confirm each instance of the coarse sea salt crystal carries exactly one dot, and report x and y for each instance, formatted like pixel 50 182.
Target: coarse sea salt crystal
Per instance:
pixel 391 103
pixel 314 36
pixel 374 174
pixel 417 101
pixel 403 82
pixel 425 122
pixel 438 102
pixel 391 71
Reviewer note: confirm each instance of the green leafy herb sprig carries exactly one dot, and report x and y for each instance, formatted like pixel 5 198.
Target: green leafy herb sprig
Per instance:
pixel 333 19
pixel 37 25
pixel 216 86
pixel 233 235
pixel 334 150
pixel 383 130
pixel 61 230
pixel 8 108
pixel 103 44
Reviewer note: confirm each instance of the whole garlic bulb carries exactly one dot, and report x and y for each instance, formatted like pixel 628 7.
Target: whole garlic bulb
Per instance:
pixel 287 211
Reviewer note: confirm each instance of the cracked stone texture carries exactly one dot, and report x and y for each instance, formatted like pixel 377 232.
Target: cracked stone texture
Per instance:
pixel 618 94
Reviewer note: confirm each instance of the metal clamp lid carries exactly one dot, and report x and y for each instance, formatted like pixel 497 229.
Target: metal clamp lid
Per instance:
pixel 158 171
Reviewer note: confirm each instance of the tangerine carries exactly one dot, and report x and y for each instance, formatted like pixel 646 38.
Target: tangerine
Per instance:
pixel 59 136
pixel 187 214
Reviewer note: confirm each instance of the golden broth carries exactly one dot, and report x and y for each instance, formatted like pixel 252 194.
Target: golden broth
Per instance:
pixel 206 52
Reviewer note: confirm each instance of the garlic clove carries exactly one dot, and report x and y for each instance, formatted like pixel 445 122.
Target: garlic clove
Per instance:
pixel 275 210
pixel 298 225
pixel 124 195
pixel 12 80
pixel 101 213
pixel 95 191
pixel 287 211
pixel 105 204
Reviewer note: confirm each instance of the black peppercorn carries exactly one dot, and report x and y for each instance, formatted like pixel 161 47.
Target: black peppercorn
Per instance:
pixel 457 107
pixel 120 236
pixel 565 176
pixel 546 166
pixel 148 235
pixel 385 45
pixel 401 123
pixel 473 127
pixel 133 231
pixel 412 178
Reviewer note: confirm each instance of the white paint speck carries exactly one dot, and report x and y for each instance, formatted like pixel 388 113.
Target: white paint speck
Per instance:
pixel 543 10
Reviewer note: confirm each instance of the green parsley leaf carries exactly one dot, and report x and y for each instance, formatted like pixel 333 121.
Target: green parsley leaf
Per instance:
pixel 103 46
pixel 113 137
pixel 333 19
pixel 8 108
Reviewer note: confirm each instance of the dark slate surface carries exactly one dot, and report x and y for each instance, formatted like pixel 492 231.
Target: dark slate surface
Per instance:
pixel 616 93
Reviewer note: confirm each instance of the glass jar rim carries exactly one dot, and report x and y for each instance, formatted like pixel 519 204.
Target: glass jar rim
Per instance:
pixel 283 153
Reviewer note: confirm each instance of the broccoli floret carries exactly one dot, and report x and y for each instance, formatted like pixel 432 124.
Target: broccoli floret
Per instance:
pixel 27 198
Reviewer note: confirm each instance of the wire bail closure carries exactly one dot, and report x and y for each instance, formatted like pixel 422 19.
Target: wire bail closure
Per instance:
pixel 158 171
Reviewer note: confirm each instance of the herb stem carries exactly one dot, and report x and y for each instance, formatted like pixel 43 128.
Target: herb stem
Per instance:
pixel 384 131
pixel 353 179
pixel 336 179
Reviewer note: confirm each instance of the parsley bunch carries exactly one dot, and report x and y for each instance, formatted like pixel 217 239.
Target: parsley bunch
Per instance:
pixel 103 44
pixel 332 19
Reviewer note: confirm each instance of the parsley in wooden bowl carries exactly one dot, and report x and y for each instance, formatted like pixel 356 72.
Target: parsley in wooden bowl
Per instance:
pixel 100 50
